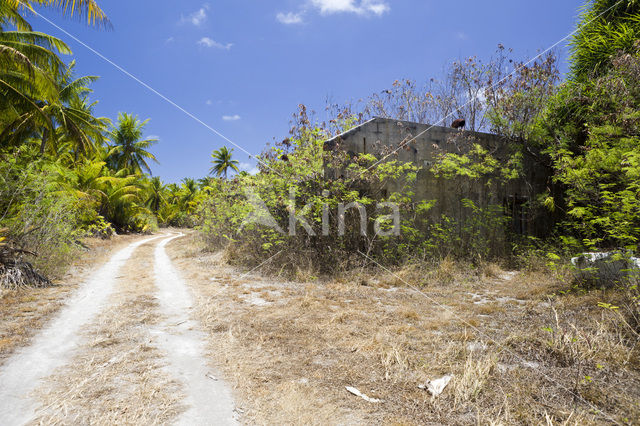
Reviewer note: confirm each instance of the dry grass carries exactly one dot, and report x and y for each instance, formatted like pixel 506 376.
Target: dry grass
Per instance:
pixel 290 349
pixel 24 311
pixel 118 376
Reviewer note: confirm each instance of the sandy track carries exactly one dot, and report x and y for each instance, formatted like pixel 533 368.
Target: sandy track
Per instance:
pixel 209 399
pixel 50 348
pixel 61 342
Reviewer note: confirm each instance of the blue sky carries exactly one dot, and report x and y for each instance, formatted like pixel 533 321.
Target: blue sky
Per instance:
pixel 243 66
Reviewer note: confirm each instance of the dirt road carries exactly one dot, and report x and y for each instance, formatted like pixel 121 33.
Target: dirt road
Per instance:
pixel 124 349
pixel 162 329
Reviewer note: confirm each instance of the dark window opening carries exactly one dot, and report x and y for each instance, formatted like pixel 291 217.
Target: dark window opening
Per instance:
pixel 516 209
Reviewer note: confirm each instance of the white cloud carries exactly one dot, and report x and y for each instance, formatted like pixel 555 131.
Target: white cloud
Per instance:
pixel 329 7
pixel 289 18
pixel 208 42
pixel 169 40
pixel 235 117
pixel 246 167
pixel 361 7
pixel 209 102
pixel 376 7
pixel 196 18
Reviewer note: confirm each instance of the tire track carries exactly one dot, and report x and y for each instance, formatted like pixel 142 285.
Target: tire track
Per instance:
pixel 209 400
pixel 117 374
pixel 51 347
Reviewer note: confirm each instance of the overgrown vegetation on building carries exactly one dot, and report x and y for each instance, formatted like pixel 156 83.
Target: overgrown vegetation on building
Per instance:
pixel 583 132
pixel 82 175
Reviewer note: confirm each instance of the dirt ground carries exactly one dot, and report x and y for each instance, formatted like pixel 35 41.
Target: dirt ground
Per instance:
pixel 24 311
pixel 117 376
pixel 520 348
pixel 120 348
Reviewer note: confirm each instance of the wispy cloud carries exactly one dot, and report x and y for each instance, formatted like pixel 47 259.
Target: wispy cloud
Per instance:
pixel 290 18
pixel 460 35
pixel 209 42
pixel 361 7
pixel 234 117
pixel 169 40
pixel 196 18
pixel 329 7
pixel 209 102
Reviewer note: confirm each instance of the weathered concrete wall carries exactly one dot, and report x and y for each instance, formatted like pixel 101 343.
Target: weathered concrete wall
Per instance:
pixel 381 136
pixel 378 133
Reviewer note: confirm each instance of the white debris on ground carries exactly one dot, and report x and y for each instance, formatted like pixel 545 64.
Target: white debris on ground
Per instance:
pixel 531 364
pixel 605 269
pixel 257 298
pixel 478 299
pixel 356 392
pixel 436 387
pixel 483 299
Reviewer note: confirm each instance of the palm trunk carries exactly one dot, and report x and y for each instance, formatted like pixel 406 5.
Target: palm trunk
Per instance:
pixel 45 138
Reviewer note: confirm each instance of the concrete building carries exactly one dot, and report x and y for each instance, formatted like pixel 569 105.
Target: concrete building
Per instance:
pixel 422 144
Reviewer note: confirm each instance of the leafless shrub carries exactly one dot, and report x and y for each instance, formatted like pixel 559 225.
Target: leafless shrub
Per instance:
pixel 15 274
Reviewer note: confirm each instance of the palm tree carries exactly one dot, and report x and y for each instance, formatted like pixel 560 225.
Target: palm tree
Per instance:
pixel 80 127
pixel 39 91
pixel 88 8
pixel 74 113
pixel 203 182
pixel 130 151
pixel 9 15
pixel 173 193
pixel 30 67
pixel 189 190
pixel 155 196
pixel 123 202
pixel 115 195
pixel 68 119
pixel 222 162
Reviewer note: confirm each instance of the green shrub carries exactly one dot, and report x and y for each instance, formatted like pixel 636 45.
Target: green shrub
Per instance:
pixel 39 218
pixel 292 211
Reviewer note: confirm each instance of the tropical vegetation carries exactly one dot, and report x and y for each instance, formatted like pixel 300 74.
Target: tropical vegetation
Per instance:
pixel 222 162
pixel 66 173
pixel 583 131
pixel 81 174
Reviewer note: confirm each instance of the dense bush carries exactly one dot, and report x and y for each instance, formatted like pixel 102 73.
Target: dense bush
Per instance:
pixel 65 173
pixel 583 132
pixel 313 223
pixel 38 218
pixel 592 136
